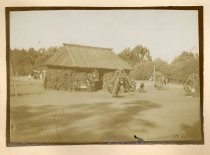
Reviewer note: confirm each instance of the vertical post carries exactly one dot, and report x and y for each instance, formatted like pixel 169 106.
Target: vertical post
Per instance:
pixel 154 82
pixel 154 71
pixel 13 80
pixel 118 74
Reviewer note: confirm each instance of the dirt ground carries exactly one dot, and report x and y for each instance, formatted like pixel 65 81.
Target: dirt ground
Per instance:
pixel 91 117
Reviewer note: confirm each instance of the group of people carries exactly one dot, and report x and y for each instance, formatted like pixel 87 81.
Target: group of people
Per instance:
pixel 192 85
pixel 37 74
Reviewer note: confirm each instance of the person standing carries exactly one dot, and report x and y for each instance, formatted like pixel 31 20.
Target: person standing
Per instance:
pixel 141 89
pixel 119 86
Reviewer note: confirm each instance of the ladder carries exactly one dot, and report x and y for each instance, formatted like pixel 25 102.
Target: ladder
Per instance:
pixel 115 80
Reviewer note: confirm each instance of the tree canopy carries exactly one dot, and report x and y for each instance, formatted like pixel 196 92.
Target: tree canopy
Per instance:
pixel 178 70
pixel 184 65
pixel 24 61
pixel 136 55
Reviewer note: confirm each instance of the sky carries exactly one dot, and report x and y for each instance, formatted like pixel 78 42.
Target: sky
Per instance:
pixel 166 33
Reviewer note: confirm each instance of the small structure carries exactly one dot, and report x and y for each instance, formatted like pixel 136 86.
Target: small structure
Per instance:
pixel 77 67
pixel 192 85
pixel 120 82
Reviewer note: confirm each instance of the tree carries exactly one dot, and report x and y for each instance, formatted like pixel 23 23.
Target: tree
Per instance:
pixel 24 61
pixel 140 60
pixel 184 65
pixel 184 56
pixel 125 55
pixel 162 66
pixel 141 53
pixel 136 55
pixel 142 70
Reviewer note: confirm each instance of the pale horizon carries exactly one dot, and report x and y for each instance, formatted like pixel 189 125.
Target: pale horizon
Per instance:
pixel 166 33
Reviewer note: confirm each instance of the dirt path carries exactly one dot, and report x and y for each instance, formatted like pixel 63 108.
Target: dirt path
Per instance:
pixel 82 117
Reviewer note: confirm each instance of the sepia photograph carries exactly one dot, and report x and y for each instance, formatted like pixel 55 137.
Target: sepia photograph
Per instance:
pixel 104 75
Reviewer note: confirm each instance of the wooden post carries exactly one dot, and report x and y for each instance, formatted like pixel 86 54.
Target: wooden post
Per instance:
pixel 13 80
pixel 154 79
pixel 129 82
pixel 118 73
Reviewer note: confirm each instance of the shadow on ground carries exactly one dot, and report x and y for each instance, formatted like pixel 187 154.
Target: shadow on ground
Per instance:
pixel 80 123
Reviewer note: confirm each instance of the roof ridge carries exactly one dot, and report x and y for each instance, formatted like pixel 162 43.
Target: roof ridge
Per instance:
pixel 86 46
pixel 79 56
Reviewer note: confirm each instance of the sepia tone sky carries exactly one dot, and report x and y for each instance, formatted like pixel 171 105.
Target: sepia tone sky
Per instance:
pixel 165 32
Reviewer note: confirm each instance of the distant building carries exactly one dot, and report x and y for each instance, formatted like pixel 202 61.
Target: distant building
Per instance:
pixel 77 67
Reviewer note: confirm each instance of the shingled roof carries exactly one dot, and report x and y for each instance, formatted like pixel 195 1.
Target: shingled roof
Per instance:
pixel 71 55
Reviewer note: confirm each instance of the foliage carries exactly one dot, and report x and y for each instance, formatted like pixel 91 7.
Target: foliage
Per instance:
pixel 178 71
pixel 136 55
pixel 142 71
pixel 24 61
pixel 141 61
pixel 162 66
pixel 183 65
